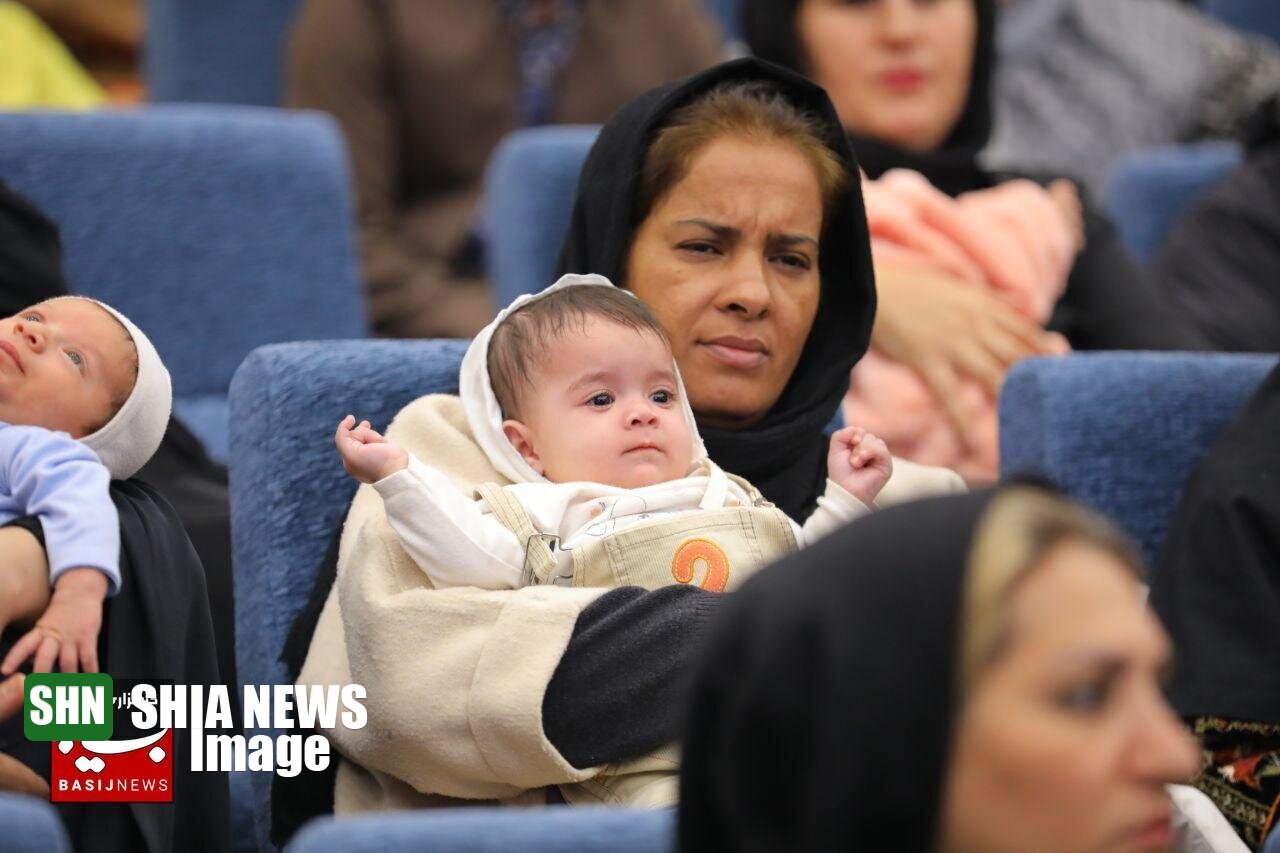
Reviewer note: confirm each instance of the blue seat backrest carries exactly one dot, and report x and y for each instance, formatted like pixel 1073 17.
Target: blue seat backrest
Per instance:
pixel 288 490
pixel 1148 190
pixel 217 51
pixel 1122 431
pixel 529 189
pixel 216 229
pixel 497 830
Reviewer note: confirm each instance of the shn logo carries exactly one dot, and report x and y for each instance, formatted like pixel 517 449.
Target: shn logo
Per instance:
pixel 68 706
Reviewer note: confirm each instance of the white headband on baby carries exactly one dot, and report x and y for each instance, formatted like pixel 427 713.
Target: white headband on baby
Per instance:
pixel 132 436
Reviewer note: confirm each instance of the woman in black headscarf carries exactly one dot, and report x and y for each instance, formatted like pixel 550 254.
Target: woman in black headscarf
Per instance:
pixel 912 83
pixel 729 202
pixel 1217 586
pixel 991 685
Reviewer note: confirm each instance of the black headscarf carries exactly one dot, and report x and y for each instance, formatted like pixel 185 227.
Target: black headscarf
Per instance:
pixel 1217 582
pixel 822 711
pixel 30 255
pixel 784 455
pixel 770 30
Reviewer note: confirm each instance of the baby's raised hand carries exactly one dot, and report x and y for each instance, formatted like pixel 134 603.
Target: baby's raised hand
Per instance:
pixel 859 462
pixel 68 631
pixel 366 454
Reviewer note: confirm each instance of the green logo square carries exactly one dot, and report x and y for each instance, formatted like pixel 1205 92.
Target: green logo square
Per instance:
pixel 67 706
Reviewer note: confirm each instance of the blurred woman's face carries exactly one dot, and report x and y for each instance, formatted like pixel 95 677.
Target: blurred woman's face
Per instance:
pixel 1066 742
pixel 896 70
pixel 728 261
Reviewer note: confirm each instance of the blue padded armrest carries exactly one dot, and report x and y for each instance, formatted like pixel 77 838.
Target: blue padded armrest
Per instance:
pixel 556 829
pixel 288 489
pixel 30 826
pixel 529 187
pixel 1147 190
pixel 1122 431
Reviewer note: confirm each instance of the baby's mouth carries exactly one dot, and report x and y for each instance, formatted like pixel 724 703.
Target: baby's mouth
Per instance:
pixel 12 351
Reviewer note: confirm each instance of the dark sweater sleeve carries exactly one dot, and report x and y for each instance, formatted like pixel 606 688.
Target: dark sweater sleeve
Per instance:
pixel 619 690
pixel 1110 303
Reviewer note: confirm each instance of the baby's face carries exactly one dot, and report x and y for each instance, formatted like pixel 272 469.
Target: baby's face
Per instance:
pixel 602 408
pixel 62 364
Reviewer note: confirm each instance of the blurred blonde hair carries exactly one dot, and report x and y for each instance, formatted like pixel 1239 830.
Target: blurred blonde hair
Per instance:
pixel 1022 525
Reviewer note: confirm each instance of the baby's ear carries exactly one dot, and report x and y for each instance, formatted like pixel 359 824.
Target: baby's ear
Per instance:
pixel 521 438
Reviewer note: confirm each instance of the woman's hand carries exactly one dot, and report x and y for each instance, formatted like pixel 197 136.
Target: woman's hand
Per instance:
pixel 24 577
pixel 15 776
pixel 943 328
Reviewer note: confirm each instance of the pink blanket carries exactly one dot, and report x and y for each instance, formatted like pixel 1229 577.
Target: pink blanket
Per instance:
pixel 1014 240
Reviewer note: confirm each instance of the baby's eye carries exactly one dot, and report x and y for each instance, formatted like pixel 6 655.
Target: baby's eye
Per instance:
pixel 600 400
pixel 76 358
pixel 662 398
pixel 34 318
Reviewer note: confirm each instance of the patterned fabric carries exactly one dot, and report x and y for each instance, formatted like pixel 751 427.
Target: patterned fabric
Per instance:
pixel 1080 82
pixel 1241 773
pixel 548 33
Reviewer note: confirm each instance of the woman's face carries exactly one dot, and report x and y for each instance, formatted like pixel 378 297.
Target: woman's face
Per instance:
pixel 896 70
pixel 1066 742
pixel 728 261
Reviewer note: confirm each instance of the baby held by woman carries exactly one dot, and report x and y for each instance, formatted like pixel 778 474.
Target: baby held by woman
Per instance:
pixel 84 399
pixel 574 395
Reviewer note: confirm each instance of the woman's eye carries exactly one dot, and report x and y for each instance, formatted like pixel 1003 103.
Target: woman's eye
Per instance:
pixel 699 247
pixel 75 357
pixel 662 398
pixel 600 400
pixel 1084 698
pixel 796 262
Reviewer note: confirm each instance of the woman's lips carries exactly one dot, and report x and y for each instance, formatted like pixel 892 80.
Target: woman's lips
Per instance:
pixel 742 353
pixel 1157 834
pixel 902 79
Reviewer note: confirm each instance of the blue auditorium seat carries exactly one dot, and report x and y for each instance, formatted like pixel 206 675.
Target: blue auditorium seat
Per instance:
pixel 1122 431
pixel 288 490
pixel 557 829
pixel 1147 190
pixel 30 826
pixel 216 229
pixel 217 51
pixel 529 188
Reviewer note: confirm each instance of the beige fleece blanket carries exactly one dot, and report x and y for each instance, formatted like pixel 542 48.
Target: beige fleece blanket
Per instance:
pixel 455 677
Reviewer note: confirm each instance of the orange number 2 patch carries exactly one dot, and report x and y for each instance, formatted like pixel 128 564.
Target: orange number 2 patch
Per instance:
pixel 687 557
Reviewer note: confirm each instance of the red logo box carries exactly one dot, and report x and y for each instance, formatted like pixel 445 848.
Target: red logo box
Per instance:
pixel 113 771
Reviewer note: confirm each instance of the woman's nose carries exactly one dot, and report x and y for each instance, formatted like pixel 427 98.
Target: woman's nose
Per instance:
pixel 898 20
pixel 1167 753
pixel 747 292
